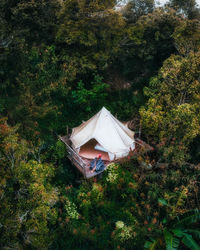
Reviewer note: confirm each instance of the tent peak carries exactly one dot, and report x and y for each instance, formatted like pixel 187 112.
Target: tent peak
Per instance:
pixel 104 110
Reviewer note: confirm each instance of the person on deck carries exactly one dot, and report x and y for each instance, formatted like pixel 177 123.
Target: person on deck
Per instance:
pixel 97 164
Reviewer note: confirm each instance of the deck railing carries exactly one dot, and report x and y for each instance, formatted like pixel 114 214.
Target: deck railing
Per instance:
pixel 72 154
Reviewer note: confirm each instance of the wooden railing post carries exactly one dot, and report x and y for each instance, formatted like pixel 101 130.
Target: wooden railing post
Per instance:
pixel 75 156
pixel 84 166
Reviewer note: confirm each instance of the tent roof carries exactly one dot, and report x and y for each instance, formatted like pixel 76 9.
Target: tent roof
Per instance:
pixel 113 135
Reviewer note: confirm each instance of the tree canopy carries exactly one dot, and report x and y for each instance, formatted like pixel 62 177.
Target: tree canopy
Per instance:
pixel 61 61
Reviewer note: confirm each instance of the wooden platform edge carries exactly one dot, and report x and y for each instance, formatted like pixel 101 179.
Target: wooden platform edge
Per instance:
pixel 77 161
pixel 73 156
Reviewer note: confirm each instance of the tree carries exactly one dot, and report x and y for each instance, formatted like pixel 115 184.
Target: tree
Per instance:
pixel 26 195
pixel 90 100
pixel 23 24
pixel 189 8
pixel 135 9
pixel 28 21
pixel 172 113
pixel 89 32
pixel 147 43
pixel 36 98
pixel 187 37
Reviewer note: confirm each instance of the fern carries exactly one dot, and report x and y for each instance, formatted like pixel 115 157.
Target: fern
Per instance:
pixel 196 233
pixel 152 245
pixel 190 242
pixel 179 233
pixel 187 220
pixel 172 243
pixel 181 199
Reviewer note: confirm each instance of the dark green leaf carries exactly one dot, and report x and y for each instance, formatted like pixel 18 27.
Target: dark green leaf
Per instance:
pixel 190 242
pixel 172 243
pixel 162 201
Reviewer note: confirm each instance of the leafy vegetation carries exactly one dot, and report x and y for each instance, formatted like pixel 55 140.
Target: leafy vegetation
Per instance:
pixel 61 61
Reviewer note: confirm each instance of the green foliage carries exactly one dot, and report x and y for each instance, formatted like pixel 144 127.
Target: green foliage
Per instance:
pixel 147 44
pixel 122 232
pixel 187 37
pixel 172 243
pixel 61 61
pixel 71 210
pixel 89 31
pixel 38 84
pixel 60 149
pixel 100 215
pixel 172 112
pixel 27 197
pixel 91 99
pixel 187 7
pixel 179 233
pixel 28 21
pixel 135 9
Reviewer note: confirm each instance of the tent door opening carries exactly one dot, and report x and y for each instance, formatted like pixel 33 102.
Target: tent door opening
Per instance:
pixel 88 151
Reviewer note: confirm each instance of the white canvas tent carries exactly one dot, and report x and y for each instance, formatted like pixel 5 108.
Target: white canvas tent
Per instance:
pixel 112 136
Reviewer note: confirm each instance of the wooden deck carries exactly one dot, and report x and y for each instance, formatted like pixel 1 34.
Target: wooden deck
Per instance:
pixel 82 163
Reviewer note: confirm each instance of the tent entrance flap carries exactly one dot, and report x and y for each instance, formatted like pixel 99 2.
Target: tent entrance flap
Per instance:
pixel 88 151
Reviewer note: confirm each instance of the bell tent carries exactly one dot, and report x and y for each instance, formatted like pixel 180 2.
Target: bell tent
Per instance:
pixel 102 133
